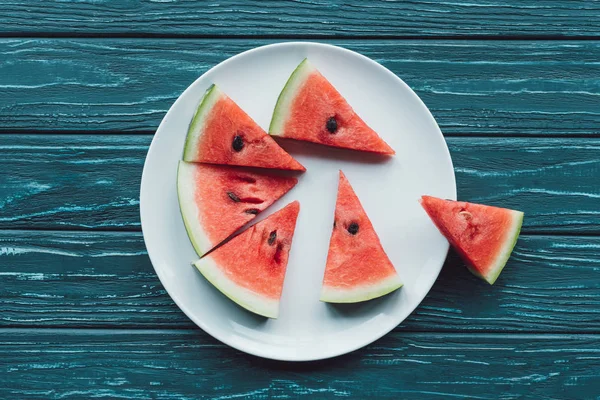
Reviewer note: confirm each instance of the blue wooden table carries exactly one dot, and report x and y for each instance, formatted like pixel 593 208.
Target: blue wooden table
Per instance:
pixel 515 87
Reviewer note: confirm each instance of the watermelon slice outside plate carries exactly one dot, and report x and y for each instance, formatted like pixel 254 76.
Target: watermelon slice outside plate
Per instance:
pixel 357 267
pixel 222 133
pixel 250 268
pixel 484 236
pixel 215 200
pixel 310 108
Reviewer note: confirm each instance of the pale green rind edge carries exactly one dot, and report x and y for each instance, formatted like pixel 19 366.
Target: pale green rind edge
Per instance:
pixel 356 295
pixel 243 297
pixel 507 251
pixel 288 93
pixel 196 125
pixel 189 210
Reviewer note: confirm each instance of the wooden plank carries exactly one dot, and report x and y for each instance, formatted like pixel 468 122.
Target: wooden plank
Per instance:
pixel 58 364
pixel 92 181
pixel 351 18
pixel 81 279
pixel 551 180
pixel 105 279
pixel 474 87
pixel 66 181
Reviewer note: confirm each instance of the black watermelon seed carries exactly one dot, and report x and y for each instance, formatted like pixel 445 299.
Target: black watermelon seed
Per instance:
pixel 272 238
pixel 331 125
pixel 334 224
pixel 238 143
pixel 278 251
pixel 353 228
pixel 252 211
pixel 233 197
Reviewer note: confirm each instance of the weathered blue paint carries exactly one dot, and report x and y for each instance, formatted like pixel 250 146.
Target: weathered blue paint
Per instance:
pixel 92 181
pixel 472 87
pixel 302 18
pixel 105 279
pixel 83 315
pixel 186 364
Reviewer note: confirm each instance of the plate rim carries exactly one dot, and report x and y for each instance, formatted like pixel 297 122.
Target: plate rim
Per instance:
pixel 257 350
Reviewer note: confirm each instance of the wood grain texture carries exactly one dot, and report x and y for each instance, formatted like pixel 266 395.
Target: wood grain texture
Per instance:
pixel 466 340
pixel 311 18
pixel 105 279
pixel 472 87
pixel 92 181
pixel 65 364
pixel 67 181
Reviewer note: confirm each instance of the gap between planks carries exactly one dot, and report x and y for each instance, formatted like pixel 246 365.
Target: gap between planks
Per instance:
pixel 194 333
pixel 129 230
pixel 100 329
pixel 135 35
pixel 478 135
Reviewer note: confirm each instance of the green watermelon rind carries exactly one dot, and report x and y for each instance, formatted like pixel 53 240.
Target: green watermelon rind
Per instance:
pixel 287 96
pixel 189 209
pixel 361 293
pixel 195 130
pixel 251 301
pixel 503 255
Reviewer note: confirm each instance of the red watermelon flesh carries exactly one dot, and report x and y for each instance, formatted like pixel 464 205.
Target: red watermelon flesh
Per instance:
pixel 484 236
pixel 222 133
pixel 357 267
pixel 217 200
pixel 310 108
pixel 250 268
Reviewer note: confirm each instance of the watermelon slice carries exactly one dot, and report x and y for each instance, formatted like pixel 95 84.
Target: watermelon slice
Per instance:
pixel 357 267
pixel 484 236
pixel 222 133
pixel 310 108
pixel 217 200
pixel 250 268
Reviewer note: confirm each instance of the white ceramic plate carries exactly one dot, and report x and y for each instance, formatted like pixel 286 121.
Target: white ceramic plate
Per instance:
pixel 308 329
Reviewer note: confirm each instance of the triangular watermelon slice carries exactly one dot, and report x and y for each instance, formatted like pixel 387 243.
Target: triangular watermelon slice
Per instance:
pixel 310 108
pixel 250 268
pixel 357 267
pixel 222 133
pixel 484 236
pixel 217 200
